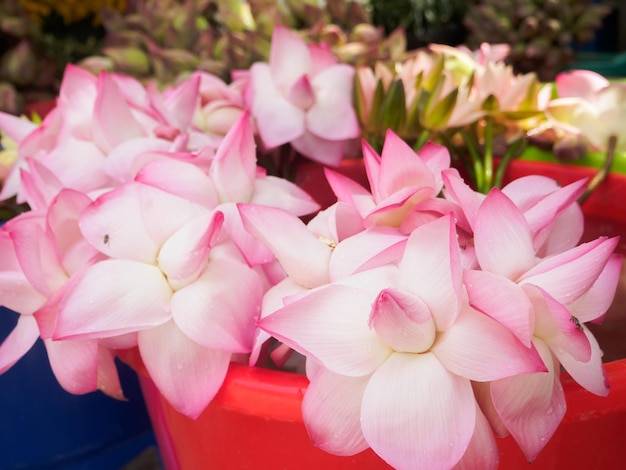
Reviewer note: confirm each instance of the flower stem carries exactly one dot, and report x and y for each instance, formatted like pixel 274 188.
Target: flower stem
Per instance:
pixel 476 163
pixel 514 149
pixel 488 157
pixel 421 140
pixel 603 172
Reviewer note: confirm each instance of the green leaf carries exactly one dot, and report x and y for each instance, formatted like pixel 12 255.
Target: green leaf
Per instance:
pixel 394 107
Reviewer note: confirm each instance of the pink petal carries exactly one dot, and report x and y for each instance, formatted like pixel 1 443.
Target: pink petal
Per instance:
pixel 303 256
pixel 301 93
pixel 185 254
pixel 331 324
pixel 579 83
pixel 187 374
pixel 567 276
pixel 18 342
pixel 332 115
pixel 403 321
pixel 125 160
pixel 457 190
pixel 597 300
pixel 531 405
pixel 318 149
pixel 278 192
pixel 502 300
pixel 114 297
pixel 16 291
pixel 134 220
pixel 478 348
pixel 180 103
pixel 108 381
pixel 400 167
pixel 331 409
pixel 220 308
pixel 234 165
pixel 182 179
pixel 482 452
pixel 556 326
pixel 15 127
pixel 589 374
pixel 502 237
pixel 75 364
pixel 278 121
pixel 431 269
pixel 38 256
pixel 366 250
pixel 112 119
pixel 252 247
pixel 289 57
pixel 414 410
pixel 338 222
pixel 346 188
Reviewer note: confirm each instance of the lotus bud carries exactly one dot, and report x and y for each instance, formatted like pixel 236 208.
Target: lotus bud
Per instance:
pixel 236 15
pixel 14 27
pixel 366 33
pixel 353 52
pixel 97 64
pixel 570 148
pixel 131 60
pixel 10 100
pixel 19 65
pixel 333 35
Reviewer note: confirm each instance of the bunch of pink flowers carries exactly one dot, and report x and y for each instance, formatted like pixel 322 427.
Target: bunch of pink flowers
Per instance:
pixel 432 317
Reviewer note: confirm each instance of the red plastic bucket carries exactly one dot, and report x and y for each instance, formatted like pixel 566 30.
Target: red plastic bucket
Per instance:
pixel 255 420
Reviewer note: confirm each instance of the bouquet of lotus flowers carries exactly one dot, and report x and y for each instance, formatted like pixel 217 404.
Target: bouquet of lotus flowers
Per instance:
pixel 429 317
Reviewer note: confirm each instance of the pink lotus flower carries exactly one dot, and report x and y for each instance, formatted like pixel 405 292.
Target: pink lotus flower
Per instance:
pixel 303 97
pixel 374 373
pixel 538 299
pixel 590 106
pixel 404 185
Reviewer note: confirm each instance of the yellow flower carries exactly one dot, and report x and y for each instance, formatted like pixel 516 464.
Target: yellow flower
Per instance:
pixel 70 10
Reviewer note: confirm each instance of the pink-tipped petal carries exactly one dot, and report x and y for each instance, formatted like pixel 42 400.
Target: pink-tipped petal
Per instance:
pixel 15 127
pixel 531 405
pixel 502 237
pixel 568 275
pixel 556 326
pixel 109 132
pixel 114 297
pixel 331 409
pixel 134 220
pixel 502 300
pixel 278 192
pixel 431 269
pixel 234 165
pixel 479 348
pixel 303 256
pixel 185 254
pixel 366 250
pixel 289 57
pixel 589 374
pixel 415 412
pixel 187 374
pixel 19 341
pixel 482 451
pixel 331 324
pixel 182 179
pixel 403 321
pixel 75 364
pixel 220 308
pixel 596 301
pixel 278 121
